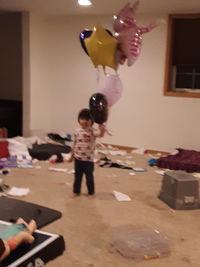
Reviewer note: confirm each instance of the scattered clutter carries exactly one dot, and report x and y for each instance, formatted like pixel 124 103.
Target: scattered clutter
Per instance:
pixel 4 171
pixel 3 187
pixel 120 196
pixel 9 162
pixel 56 158
pixel 140 151
pixel 161 172
pixel 152 162
pixel 71 171
pixel 197 175
pixel 18 191
pixel 109 151
pixel 139 170
pixel 57 169
pixel 108 163
pixel 60 139
pixel 60 157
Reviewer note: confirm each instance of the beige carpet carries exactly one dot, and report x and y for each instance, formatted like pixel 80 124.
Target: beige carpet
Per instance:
pixel 86 223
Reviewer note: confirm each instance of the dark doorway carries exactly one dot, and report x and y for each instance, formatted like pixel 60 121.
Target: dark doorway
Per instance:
pixel 11 72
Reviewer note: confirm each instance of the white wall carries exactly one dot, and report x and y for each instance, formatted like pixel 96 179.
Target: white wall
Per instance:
pixel 62 79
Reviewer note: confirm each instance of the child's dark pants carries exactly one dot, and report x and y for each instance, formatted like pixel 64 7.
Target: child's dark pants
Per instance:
pixel 87 168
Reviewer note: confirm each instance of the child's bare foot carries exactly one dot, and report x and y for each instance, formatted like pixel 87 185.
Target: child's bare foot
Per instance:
pixel 75 195
pixel 91 196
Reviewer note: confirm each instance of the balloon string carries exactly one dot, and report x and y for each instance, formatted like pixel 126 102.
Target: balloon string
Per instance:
pixel 108 132
pixel 98 75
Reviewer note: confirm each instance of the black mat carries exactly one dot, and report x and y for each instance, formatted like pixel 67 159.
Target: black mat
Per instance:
pixel 12 209
pixel 45 151
pixel 45 247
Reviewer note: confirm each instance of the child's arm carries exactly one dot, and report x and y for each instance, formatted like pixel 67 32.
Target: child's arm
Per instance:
pixel 72 149
pixel 101 131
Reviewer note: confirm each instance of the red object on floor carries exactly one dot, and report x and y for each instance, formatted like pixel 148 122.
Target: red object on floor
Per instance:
pixel 4 152
pixel 186 160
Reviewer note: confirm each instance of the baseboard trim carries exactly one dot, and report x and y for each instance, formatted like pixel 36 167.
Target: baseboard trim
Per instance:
pixel 129 149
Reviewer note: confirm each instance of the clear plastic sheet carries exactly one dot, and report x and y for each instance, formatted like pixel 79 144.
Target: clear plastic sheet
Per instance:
pixel 140 242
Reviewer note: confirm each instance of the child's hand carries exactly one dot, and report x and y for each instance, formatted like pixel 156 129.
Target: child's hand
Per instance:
pixel 102 129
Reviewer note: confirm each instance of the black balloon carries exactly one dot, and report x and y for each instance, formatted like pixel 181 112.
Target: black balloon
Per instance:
pixel 99 108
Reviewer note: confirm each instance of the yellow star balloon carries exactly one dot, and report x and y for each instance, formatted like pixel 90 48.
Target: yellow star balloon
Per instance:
pixel 101 47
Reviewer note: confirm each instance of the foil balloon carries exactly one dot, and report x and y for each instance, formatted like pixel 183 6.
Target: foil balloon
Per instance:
pixel 111 87
pixel 128 34
pixel 98 108
pixel 85 34
pixel 101 47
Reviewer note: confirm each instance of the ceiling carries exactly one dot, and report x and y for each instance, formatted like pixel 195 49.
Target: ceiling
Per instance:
pixel 99 7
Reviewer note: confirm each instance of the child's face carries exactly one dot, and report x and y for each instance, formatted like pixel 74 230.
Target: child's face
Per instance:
pixel 85 123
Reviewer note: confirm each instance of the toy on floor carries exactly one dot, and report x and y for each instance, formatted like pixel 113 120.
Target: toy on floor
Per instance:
pixel 14 235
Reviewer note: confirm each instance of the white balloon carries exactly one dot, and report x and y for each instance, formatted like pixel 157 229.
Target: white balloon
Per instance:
pixel 111 86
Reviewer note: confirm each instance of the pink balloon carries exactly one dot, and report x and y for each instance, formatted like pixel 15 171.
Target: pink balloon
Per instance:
pixel 128 34
pixel 111 87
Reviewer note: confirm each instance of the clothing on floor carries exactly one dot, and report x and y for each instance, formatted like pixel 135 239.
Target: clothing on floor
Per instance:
pixel 109 164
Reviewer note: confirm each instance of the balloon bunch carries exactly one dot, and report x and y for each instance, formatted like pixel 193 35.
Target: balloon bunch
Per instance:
pixel 128 34
pixel 107 50
pixel 98 108
pixel 100 45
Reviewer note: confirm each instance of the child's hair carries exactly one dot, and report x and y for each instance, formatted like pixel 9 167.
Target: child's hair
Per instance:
pixel 85 114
